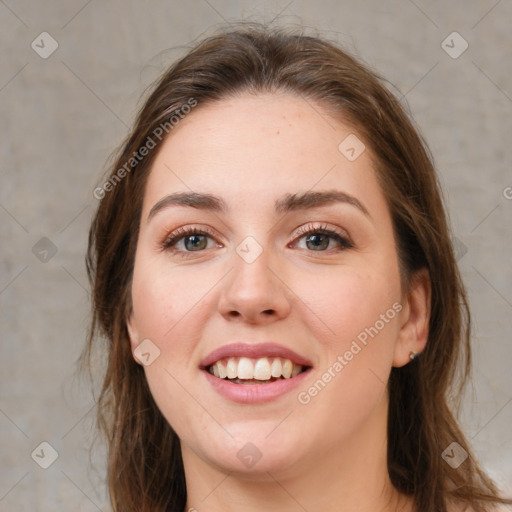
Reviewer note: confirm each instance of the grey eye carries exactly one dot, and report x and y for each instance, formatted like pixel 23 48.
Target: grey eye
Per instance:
pixel 197 242
pixel 317 242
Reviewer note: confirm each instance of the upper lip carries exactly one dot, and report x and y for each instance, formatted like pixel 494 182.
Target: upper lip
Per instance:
pixel 253 351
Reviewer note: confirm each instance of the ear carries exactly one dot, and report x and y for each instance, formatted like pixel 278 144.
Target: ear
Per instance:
pixel 414 319
pixel 133 333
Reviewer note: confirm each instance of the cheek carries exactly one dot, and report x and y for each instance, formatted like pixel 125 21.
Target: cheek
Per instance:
pixel 343 304
pixel 360 311
pixel 171 308
pixel 162 299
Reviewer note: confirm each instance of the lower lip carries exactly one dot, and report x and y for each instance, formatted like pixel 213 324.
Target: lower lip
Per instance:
pixel 254 393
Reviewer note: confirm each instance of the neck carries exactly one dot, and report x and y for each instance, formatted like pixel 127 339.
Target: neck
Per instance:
pixel 351 476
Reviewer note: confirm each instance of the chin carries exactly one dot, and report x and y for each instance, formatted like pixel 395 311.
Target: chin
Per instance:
pixel 252 453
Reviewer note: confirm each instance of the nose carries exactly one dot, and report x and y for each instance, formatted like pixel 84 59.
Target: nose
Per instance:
pixel 254 292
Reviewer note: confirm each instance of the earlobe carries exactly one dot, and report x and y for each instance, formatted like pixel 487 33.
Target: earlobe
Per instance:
pixel 413 334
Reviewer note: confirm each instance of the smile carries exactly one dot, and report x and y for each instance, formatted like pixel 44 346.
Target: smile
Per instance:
pixel 244 370
pixel 251 373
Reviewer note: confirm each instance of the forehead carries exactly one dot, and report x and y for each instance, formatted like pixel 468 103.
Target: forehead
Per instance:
pixel 257 148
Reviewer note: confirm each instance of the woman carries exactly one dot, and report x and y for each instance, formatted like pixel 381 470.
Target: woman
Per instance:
pixel 272 268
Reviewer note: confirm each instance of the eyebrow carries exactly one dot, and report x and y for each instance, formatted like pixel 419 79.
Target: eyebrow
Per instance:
pixel 285 204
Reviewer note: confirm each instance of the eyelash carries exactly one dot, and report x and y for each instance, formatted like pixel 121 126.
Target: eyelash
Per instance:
pixel 343 240
pixel 181 233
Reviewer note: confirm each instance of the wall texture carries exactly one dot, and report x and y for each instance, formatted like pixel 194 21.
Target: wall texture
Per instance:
pixel 70 79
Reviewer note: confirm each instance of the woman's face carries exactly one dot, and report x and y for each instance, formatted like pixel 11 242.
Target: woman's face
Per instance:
pixel 266 247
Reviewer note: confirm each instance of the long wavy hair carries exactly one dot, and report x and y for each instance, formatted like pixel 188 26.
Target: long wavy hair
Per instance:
pixel 145 469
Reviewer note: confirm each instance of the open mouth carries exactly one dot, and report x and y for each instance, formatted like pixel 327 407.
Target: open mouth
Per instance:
pixel 250 371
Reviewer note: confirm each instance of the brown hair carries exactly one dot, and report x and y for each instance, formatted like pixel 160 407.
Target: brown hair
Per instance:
pixel 145 470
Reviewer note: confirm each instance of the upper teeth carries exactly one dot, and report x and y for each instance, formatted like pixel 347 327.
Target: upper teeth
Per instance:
pixel 259 369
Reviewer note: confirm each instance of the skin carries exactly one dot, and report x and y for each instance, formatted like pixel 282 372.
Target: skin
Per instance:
pixel 328 454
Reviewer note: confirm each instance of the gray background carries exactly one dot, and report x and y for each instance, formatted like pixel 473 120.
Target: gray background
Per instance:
pixel 62 116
